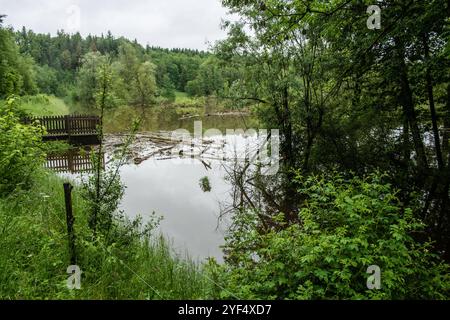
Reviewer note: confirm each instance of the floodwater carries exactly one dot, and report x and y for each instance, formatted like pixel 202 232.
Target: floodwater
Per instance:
pixel 171 189
pixel 120 120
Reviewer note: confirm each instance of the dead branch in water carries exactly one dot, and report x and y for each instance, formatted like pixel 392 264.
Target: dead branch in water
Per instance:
pixel 218 114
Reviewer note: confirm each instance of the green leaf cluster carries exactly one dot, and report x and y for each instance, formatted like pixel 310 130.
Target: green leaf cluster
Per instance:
pixel 347 226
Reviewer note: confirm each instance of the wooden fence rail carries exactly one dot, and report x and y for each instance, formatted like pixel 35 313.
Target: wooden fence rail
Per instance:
pixel 75 128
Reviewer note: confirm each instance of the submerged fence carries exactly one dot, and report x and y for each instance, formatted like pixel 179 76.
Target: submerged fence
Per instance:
pixel 73 161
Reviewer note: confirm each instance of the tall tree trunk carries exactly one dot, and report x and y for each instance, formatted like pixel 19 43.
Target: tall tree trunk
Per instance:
pixel 289 205
pixel 406 99
pixel 445 206
pixel 287 125
pixel 429 81
pixel 446 135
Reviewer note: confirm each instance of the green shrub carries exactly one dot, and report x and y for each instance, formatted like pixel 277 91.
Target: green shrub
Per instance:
pixel 21 149
pixel 346 226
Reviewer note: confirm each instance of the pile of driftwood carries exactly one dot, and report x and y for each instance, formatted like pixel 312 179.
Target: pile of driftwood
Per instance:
pixel 162 145
pixel 219 114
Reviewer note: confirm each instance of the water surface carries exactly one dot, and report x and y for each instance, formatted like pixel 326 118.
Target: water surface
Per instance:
pixel 171 188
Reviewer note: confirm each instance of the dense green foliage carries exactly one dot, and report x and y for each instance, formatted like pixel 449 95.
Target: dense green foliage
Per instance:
pixel 349 102
pixel 16 70
pixel 20 152
pixel 64 58
pixel 65 65
pixel 347 226
pixel 349 99
pixel 124 260
pixel 34 255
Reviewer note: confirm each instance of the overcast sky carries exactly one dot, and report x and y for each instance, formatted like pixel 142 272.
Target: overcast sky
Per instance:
pixel 164 23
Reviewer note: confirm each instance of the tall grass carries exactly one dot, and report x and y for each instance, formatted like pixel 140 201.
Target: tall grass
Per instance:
pixel 34 254
pixel 44 105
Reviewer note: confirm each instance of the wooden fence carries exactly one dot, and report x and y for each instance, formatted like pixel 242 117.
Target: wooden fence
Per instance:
pixel 80 129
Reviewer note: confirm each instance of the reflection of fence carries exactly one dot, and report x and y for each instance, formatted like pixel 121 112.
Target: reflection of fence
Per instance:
pixel 75 128
pixel 72 161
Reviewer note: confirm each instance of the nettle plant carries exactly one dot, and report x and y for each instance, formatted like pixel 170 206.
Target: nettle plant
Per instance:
pixel 346 226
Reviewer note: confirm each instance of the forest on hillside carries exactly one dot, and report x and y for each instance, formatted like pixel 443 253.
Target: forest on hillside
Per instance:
pixel 56 65
pixel 363 112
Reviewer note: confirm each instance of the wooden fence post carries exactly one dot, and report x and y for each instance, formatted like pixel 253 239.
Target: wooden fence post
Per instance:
pixel 70 164
pixel 68 126
pixel 70 221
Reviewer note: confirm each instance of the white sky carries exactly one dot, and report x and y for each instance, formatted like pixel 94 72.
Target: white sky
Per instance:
pixel 164 23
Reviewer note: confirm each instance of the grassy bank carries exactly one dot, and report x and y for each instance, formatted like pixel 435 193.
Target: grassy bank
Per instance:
pixel 34 254
pixel 44 105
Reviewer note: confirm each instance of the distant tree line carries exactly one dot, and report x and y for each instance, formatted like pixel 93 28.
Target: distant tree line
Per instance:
pixel 34 62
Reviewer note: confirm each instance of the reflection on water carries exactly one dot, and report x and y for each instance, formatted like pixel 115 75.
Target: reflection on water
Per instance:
pixel 172 189
pixel 76 160
pixel 120 120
